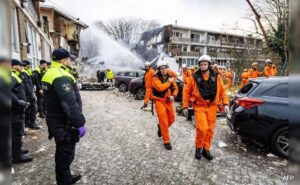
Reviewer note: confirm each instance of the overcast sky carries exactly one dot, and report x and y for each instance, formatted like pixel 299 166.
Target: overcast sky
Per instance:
pixel 217 15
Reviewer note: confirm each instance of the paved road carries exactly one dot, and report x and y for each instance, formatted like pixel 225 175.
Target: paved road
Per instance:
pixel 121 147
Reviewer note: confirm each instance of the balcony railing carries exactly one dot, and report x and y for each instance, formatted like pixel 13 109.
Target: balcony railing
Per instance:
pixel 180 39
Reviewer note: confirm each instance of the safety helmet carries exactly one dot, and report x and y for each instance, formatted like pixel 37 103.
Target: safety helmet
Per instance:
pixel 161 63
pixel 268 61
pixel 147 64
pixel 245 70
pixel 254 63
pixel 184 66
pixel 205 58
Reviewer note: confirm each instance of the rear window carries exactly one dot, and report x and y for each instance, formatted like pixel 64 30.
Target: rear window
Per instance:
pixel 120 74
pixel 280 91
pixel 247 88
pixel 140 74
pixel 131 74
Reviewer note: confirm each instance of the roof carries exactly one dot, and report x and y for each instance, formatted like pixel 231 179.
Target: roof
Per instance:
pixel 211 31
pixel 281 79
pixel 65 15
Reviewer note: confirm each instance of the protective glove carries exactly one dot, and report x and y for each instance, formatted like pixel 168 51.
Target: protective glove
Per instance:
pixel 227 109
pixel 23 104
pixel 81 131
pixel 144 106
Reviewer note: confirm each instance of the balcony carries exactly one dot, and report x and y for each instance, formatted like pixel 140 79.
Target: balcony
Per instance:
pixel 180 39
pixel 190 54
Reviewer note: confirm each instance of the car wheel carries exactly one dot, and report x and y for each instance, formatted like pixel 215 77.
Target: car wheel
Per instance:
pixel 280 142
pixel 140 94
pixel 122 87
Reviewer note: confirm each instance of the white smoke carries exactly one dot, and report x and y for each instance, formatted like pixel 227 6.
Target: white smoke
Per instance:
pixel 106 53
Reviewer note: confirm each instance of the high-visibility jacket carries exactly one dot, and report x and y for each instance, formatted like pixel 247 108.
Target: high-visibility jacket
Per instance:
pixel 110 75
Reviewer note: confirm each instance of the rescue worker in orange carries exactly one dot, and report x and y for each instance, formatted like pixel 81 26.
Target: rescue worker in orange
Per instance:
pixel 228 76
pixel 203 91
pixel 268 68
pixel 164 92
pixel 186 73
pixel 244 78
pixel 274 70
pixel 148 83
pixel 253 71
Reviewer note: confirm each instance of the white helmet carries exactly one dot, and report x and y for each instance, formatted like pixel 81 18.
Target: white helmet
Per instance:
pixel 161 63
pixel 147 64
pixel 268 61
pixel 205 58
pixel 184 66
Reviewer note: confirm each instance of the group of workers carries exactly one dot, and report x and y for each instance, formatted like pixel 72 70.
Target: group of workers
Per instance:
pixel 203 88
pixel 270 70
pixel 52 88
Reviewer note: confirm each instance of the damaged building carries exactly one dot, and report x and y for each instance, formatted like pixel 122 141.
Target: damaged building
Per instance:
pixel 187 44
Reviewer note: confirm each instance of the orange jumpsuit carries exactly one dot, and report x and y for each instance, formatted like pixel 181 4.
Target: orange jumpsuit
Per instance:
pixel 267 71
pixel 274 71
pixel 164 108
pixel 185 75
pixel 244 78
pixel 228 76
pixel 254 73
pixel 148 83
pixel 205 111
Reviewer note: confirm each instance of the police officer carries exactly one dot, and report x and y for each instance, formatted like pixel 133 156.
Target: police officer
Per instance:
pixel 64 119
pixel 19 104
pixel 30 114
pixel 38 74
pixel 5 113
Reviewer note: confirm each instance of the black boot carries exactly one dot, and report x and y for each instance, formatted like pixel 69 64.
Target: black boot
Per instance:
pixel 168 146
pixel 41 115
pixel 24 151
pixel 207 155
pixel 75 178
pixel 198 153
pixel 22 159
pixel 158 131
pixel 34 126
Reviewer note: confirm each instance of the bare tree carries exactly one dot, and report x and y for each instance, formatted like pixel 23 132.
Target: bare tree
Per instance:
pixel 272 17
pixel 127 30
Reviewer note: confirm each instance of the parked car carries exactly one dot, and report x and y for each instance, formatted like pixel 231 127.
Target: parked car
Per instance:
pixel 260 111
pixel 137 88
pixel 123 79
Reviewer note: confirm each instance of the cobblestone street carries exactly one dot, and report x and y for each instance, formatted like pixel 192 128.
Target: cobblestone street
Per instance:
pixel 122 147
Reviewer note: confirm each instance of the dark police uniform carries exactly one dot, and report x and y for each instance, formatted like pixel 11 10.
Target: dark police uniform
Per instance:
pixel 30 113
pixel 5 117
pixel 64 116
pixel 38 74
pixel 18 110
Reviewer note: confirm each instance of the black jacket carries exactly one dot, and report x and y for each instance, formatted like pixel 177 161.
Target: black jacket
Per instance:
pixel 63 104
pixel 18 93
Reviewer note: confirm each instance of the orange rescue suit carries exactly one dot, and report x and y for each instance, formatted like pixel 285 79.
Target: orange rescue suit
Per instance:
pixel 228 76
pixel 185 75
pixel 254 73
pixel 244 78
pixel 205 111
pixel 268 71
pixel 164 108
pixel 148 82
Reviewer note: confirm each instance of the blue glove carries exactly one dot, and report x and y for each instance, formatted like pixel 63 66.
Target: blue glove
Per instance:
pixel 82 131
